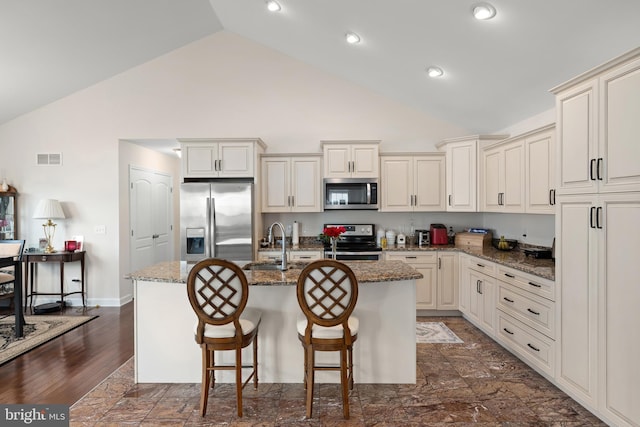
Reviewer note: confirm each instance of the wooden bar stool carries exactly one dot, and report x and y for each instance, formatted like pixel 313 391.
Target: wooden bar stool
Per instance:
pixel 327 293
pixel 218 292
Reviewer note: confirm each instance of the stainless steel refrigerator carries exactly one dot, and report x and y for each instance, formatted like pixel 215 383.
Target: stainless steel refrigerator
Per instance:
pixel 216 221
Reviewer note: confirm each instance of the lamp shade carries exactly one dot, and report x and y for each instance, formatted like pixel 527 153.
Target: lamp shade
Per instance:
pixel 49 209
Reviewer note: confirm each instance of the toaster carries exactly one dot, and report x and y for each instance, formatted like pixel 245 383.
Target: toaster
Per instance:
pixel 423 237
pixel 438 234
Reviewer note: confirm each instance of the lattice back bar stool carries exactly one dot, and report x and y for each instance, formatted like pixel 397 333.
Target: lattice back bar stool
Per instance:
pixel 218 292
pixel 327 292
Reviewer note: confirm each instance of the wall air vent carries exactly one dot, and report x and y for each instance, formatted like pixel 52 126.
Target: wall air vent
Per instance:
pixel 51 159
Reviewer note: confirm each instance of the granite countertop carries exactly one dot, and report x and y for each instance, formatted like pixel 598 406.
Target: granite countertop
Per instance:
pixel 365 271
pixel 515 258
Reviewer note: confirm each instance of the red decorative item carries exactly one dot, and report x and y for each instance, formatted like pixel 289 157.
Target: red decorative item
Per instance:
pixel 333 231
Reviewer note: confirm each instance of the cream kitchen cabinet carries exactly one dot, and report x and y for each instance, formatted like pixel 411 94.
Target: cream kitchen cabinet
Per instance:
pixel 412 183
pixel 478 292
pixel 291 183
pixel 598 206
pixel 526 318
pixel 598 128
pixel 448 281
pixel 540 154
pixel 220 158
pixel 295 255
pixel 462 170
pixel 502 177
pixel 599 297
pixel 292 255
pixel 427 264
pixel 351 159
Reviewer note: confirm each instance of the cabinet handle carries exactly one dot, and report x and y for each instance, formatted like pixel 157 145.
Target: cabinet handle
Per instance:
pixel 304 257
pixel 293 200
pixel 510 276
pixel 449 199
pixel 501 199
pixel 591 212
pixel 507 331
pixel 480 265
pixel 591 165
pixel 533 312
pixel 554 197
pixel 532 347
pixel 155 236
pixel 535 285
pixel 415 200
pixel 507 299
pixel 550 197
pixel 439 263
pixel 410 257
pixel 599 169
pixel 598 216
pixel 480 287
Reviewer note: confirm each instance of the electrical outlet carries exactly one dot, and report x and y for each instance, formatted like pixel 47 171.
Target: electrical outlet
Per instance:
pixel 100 229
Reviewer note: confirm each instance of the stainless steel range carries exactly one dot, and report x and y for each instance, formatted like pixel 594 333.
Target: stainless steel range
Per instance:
pixel 357 243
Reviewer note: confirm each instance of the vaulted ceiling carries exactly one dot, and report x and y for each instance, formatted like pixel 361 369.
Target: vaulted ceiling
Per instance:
pixel 496 72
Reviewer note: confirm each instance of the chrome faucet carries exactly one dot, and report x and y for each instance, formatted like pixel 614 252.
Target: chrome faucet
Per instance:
pixel 271 239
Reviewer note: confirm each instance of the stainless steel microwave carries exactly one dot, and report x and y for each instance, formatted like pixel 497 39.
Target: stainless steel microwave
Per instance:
pixel 350 193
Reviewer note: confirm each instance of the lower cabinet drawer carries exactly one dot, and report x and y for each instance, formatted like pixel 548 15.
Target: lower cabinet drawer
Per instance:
pixel 306 255
pixel 533 347
pixel 413 257
pixel 537 312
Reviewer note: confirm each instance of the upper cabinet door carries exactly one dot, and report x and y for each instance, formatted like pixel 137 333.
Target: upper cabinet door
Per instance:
pixel 235 159
pixel 540 173
pixel 577 139
pixel 275 184
pixel 306 184
pixel 350 160
pixel 396 184
pixel 461 176
pixel 365 161
pixel 491 180
pixel 218 159
pixel 618 162
pixel 513 181
pixel 429 183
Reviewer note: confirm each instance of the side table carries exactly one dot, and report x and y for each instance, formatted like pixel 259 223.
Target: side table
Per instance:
pixel 31 259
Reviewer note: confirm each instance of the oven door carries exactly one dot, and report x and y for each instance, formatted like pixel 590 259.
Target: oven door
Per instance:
pixel 354 256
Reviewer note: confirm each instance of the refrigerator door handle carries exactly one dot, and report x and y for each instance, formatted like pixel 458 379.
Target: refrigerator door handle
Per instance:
pixel 212 227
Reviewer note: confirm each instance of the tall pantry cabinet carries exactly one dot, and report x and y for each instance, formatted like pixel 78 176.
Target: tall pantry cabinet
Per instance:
pixel 597 252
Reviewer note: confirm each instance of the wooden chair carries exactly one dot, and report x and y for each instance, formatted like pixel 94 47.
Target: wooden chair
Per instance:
pixel 327 293
pixel 218 292
pixel 10 248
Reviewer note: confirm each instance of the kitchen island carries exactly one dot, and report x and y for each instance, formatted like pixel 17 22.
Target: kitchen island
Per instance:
pixel 385 352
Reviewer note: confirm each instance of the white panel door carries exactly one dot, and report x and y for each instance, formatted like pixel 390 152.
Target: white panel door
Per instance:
pixel 150 204
pixel 337 161
pixel 236 159
pixel 513 181
pixel 447 281
pixel 365 160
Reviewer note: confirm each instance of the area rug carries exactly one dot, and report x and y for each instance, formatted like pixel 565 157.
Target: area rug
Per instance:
pixel 435 333
pixel 37 331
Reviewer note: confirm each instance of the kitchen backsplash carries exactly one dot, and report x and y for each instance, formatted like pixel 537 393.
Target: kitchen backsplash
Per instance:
pixel 539 229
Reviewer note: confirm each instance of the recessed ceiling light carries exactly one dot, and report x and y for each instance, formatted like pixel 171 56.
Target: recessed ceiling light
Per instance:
pixel 352 38
pixel 273 5
pixel 483 11
pixel 435 71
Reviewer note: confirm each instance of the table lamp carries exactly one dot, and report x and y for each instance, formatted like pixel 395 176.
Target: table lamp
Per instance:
pixel 49 209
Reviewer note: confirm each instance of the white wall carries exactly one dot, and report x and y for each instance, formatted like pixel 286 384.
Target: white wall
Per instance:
pixel 220 86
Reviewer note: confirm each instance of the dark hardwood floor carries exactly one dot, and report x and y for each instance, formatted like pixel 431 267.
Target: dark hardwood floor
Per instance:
pixel 66 368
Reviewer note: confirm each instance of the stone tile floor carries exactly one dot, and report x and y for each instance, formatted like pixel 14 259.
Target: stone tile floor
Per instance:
pixel 476 383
